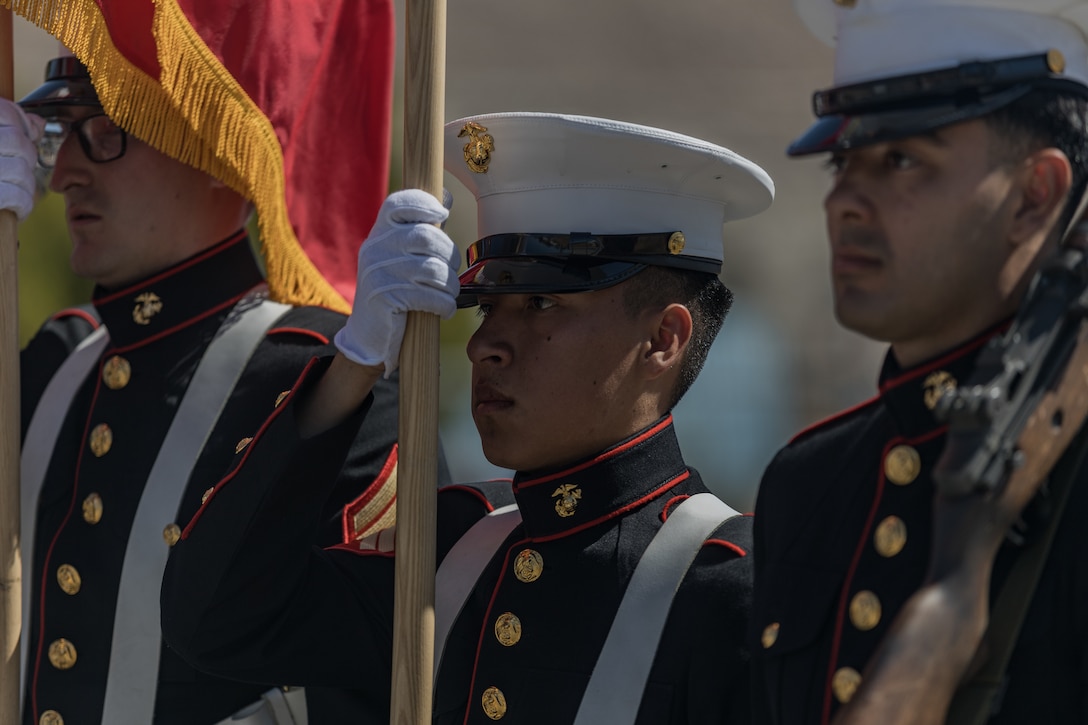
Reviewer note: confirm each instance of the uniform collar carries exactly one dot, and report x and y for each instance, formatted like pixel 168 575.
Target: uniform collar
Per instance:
pixel 170 300
pixel 559 502
pixel 911 394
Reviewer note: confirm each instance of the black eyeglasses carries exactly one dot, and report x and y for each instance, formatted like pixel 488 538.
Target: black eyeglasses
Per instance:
pixel 100 138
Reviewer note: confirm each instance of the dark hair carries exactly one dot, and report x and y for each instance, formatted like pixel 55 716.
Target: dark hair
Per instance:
pixel 707 299
pixel 1045 118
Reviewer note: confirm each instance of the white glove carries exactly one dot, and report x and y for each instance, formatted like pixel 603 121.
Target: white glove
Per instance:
pixel 19 134
pixel 406 265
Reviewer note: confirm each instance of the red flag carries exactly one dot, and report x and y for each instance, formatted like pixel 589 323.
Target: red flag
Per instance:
pixel 286 101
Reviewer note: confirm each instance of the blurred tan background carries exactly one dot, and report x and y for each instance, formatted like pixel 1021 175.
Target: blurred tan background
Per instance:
pixel 735 72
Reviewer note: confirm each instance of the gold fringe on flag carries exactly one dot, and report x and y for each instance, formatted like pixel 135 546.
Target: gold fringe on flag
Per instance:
pixel 198 114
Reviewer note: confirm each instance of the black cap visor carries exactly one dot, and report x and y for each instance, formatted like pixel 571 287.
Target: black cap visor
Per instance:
pixel 562 263
pixel 887 109
pixel 67 83
pixel 842 132
pixel 527 275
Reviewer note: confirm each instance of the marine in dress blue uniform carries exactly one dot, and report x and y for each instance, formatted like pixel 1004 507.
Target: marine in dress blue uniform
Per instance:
pixel 571 210
pixel 845 512
pixel 160 329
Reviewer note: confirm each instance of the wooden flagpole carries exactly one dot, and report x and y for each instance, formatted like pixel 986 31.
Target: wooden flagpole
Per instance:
pixel 413 622
pixel 10 569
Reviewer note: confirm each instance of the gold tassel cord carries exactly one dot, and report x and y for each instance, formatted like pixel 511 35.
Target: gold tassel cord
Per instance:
pixel 198 114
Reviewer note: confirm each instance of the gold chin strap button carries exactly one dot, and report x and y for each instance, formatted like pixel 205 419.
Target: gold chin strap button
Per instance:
pixel 494 703
pixel 171 534
pixel 1055 61
pixel 101 440
pixel 50 717
pixel 69 579
pixel 902 465
pixel 676 242
pixel 890 536
pixel 844 683
pixel 508 629
pixel 116 372
pixel 62 654
pixel 770 635
pixel 528 565
pixel 865 610
pixel 92 508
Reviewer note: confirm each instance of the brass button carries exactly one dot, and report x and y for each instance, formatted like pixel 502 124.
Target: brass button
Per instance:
pixel 890 536
pixel 242 445
pixel 566 498
pixel 844 683
pixel 50 717
pixel 92 508
pixel 902 465
pixel 147 306
pixel 171 534
pixel 101 440
pixel 528 566
pixel 865 610
pixel 770 635
pixel 494 703
pixel 62 654
pixel 280 397
pixel 69 579
pixel 508 629
pixel 207 494
pixel 116 372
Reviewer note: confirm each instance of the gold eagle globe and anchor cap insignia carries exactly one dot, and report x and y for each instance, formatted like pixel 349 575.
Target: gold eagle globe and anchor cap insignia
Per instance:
pixel 148 305
pixel 568 496
pixel 479 147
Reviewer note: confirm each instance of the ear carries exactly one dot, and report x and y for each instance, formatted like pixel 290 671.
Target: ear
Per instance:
pixel 1047 179
pixel 669 339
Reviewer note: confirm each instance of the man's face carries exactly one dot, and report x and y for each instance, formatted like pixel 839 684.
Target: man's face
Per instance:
pixel 555 376
pixel 123 214
pixel 919 235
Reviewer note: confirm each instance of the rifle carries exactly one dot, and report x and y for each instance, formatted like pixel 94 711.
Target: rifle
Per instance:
pixel 1015 419
pixel 1028 394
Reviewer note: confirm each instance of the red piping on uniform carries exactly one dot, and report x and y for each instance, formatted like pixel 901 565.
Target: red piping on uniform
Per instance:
pixel 939 363
pixel 613 514
pixel 486 619
pixel 352 508
pixel 727 544
pixel 670 502
pixel 300 331
pixel 361 552
pixel 210 252
pixel 245 456
pixel 192 320
pixel 603 457
pixel 832 418
pixel 862 541
pixel 75 312
pixel 49 551
pixel 739 551
pixel 469 489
